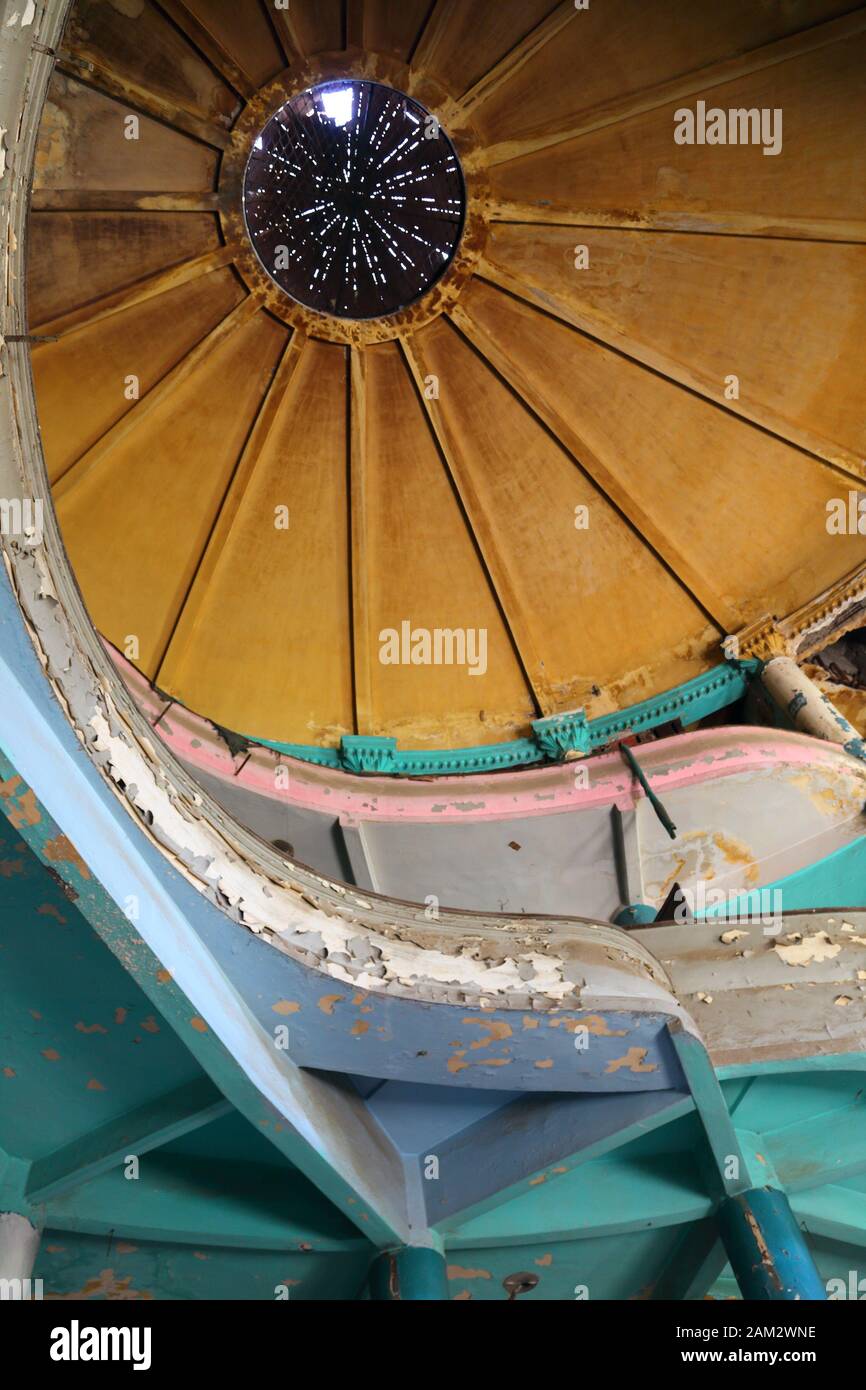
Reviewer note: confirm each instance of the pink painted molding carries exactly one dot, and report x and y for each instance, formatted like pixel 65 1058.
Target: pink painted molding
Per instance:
pixel 599 781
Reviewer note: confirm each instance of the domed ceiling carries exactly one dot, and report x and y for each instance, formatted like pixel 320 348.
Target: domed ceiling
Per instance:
pixel 404 375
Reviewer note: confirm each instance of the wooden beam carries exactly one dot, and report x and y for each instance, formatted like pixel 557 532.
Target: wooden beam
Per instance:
pixel 99 451
pixel 600 329
pixel 618 495
pixel 209 46
pixel 283 24
pixel 188 617
pixel 87 66
pixel 355 29
pixel 431 36
pixel 742 224
pixel 362 636
pixel 517 618
pixel 522 53
pixel 119 200
pixel 686 85
pixel 153 1124
pixel 137 293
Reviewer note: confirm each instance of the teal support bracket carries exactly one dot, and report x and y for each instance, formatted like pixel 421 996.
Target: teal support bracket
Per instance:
pixel 414 1272
pixel 730 1172
pixel 563 735
pixel 360 754
pixel 638 772
pixel 763 1242
pixel 766 1248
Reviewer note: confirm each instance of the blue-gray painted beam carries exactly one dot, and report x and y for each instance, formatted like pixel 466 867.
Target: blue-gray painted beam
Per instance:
pixel 159 1122
pixel 766 1248
pixel 730 1170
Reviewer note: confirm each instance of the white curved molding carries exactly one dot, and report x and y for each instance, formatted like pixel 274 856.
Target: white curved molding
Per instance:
pixel 461 958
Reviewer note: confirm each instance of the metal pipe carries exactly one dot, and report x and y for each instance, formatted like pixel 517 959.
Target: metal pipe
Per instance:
pixel 766 1248
pixel 414 1272
pixel 807 707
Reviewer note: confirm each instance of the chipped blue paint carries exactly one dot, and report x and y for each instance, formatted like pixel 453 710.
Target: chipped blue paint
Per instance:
pixel 768 1253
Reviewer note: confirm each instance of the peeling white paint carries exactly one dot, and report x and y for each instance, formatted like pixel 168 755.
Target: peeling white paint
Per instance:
pixel 812 948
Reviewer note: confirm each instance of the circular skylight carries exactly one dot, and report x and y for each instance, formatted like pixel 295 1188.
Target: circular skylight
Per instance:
pixel 354 199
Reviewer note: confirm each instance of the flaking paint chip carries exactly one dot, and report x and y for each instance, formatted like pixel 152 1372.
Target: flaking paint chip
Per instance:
pixel 811 949
pixel 728 937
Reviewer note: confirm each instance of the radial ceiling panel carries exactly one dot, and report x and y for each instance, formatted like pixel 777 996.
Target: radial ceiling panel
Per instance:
pixel 392 26
pixel 813 186
pixel 553 543
pixel 418 549
pixel 136 52
pixel 676 303
pixel 544 448
pixel 601 402
pixel 236 36
pixel 458 46
pixel 615 59
pixel 122 359
pixel 274 580
pixel 80 257
pixel 83 146
pixel 136 523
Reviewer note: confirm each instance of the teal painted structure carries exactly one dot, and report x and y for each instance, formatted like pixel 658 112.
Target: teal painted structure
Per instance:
pixel 412 1273
pixel 553 739
pixel 766 1248
pixel 836 881
pixel 222 1209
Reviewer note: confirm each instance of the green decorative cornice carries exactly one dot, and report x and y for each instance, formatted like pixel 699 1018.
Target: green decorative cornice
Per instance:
pixel 553 739
pixel 563 734
pixel 360 754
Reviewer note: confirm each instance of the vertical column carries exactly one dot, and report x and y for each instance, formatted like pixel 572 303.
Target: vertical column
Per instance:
pixel 807 707
pixel 415 1273
pixel 763 1242
pixel 766 1248
pixel 19 1244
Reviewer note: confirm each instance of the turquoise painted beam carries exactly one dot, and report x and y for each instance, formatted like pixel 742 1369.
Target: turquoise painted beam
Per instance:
pixel 412 1273
pixel 834 1212
pixel 695 1265
pixel 159 1122
pixel 574 1133
pixel 553 739
pixel 766 1248
pixel 607 1197
pixel 729 1173
pixel 325 1132
pixel 185 1199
